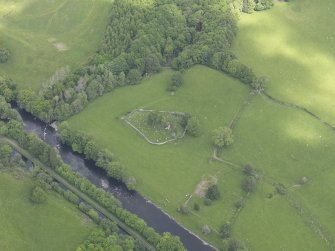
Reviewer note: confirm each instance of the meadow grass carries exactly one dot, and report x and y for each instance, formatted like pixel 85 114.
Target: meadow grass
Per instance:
pixel 272 224
pixel 55 225
pixel 166 174
pixel 293 44
pixel 33 30
pixel 283 144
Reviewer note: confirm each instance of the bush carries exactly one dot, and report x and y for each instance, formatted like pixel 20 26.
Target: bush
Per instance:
pixel 223 136
pixel 249 184
pixel 169 242
pixel 131 183
pixel 71 197
pixel 213 192
pixel 207 201
pixel 225 231
pixel 176 81
pixel 260 83
pixel 183 209
pixel 206 230
pixel 38 195
pixel 280 189
pixel 196 206
pixel 248 170
pixel 239 204
pixel 193 127
pixel 84 207
pixel 4 55
pixel 233 245
pixel 155 118
pixel 109 226
pixel 94 215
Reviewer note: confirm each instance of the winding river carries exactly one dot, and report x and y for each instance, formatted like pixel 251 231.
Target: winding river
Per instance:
pixel 132 201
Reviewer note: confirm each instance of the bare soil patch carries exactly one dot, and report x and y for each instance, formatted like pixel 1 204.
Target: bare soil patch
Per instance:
pixel 203 185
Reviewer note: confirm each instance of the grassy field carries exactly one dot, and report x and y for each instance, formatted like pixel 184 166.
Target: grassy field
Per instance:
pixel 55 225
pixel 293 44
pixel 44 36
pixel 283 144
pixel 211 96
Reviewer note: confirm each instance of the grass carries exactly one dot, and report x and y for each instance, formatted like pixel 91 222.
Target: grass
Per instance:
pixel 266 224
pixel 186 161
pixel 32 29
pixel 293 44
pixel 55 225
pixel 283 144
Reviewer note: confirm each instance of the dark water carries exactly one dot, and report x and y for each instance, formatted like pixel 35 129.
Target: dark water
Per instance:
pixel 132 201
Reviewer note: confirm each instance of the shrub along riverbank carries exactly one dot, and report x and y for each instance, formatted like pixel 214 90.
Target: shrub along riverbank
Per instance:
pixel 13 129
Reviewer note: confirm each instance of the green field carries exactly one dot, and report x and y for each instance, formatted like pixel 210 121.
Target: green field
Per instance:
pixel 55 225
pixel 293 44
pixel 282 143
pixel 44 36
pixel 185 161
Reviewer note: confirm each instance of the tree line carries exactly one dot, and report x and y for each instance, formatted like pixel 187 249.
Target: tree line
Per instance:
pixel 103 158
pixel 49 156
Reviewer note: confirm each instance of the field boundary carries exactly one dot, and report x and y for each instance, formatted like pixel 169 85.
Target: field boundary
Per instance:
pixel 144 136
pixel 310 220
pixel 299 107
pixel 245 103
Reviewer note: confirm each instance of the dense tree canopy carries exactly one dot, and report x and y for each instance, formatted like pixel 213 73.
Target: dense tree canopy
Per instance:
pixel 141 37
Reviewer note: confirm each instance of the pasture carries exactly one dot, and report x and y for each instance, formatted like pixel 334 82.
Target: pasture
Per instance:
pixel 211 96
pixel 44 36
pixel 293 44
pixel 283 144
pixel 55 225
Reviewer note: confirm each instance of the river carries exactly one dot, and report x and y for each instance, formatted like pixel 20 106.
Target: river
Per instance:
pixel 131 201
